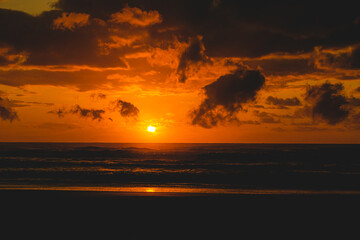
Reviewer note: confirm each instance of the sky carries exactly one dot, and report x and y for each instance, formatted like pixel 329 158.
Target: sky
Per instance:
pixel 198 71
pixel 33 7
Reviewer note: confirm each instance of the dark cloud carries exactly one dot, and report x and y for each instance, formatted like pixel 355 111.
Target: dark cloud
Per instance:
pixel 83 79
pixel 283 102
pixel 95 96
pixel 46 45
pixel 194 54
pixel 246 28
pixel 280 66
pixel 354 101
pixel 94 114
pixel 99 33
pixel 266 117
pixel 300 113
pixel 226 96
pixel 328 102
pixel 126 109
pixel 232 28
pixel 60 112
pixel 348 58
pixel 9 56
pixel 279 27
pixel 7 113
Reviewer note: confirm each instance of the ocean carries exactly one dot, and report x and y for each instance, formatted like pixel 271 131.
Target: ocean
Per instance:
pixel 151 168
pixel 179 191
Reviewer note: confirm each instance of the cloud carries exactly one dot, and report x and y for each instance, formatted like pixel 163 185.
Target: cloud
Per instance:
pixel 136 16
pixel 246 29
pixel 353 101
pixel 19 103
pixel 10 56
pixel 343 58
pixel 283 102
pixel 126 109
pixel 78 43
pixel 7 113
pixel 60 112
pixel 58 126
pixel 102 35
pixel 70 21
pixel 282 64
pixel 328 102
pixel 226 96
pixel 37 42
pixel 266 117
pixel 249 122
pixel 94 114
pixel 98 96
pixel 193 55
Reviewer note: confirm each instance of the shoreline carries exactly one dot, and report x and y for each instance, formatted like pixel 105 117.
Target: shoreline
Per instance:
pixel 240 193
pixel 174 216
pixel 175 191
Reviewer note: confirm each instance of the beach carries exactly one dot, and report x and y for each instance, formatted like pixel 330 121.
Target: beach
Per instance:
pixel 184 191
pixel 175 216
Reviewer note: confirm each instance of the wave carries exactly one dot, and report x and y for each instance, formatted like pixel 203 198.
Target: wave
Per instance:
pixel 238 166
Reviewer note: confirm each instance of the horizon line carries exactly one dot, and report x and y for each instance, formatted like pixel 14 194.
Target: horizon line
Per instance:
pixel 320 143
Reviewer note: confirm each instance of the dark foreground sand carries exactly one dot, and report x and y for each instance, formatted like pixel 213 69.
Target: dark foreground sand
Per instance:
pixel 109 215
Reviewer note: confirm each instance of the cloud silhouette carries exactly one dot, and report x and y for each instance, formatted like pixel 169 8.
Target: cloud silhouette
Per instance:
pixel 60 112
pixel 98 96
pixel 328 102
pixel 126 109
pixel 95 114
pixel 193 55
pixel 266 117
pixel 226 96
pixel 343 58
pixel 7 113
pixel 283 102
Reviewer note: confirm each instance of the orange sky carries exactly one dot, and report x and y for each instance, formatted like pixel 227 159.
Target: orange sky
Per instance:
pixel 78 74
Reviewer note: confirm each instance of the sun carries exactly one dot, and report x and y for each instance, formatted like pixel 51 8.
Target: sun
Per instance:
pixel 151 129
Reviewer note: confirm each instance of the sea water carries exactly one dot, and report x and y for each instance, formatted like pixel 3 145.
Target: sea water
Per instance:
pixel 182 168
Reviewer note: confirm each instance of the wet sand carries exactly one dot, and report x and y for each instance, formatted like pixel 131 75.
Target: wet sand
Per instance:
pixel 72 214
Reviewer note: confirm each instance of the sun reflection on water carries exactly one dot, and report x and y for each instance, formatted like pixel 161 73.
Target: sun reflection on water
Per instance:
pixel 174 191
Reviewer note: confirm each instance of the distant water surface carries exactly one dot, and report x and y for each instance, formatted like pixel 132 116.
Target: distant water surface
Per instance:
pixel 182 168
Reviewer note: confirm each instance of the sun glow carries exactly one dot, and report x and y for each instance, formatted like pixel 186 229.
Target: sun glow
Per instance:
pixel 149 190
pixel 151 129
